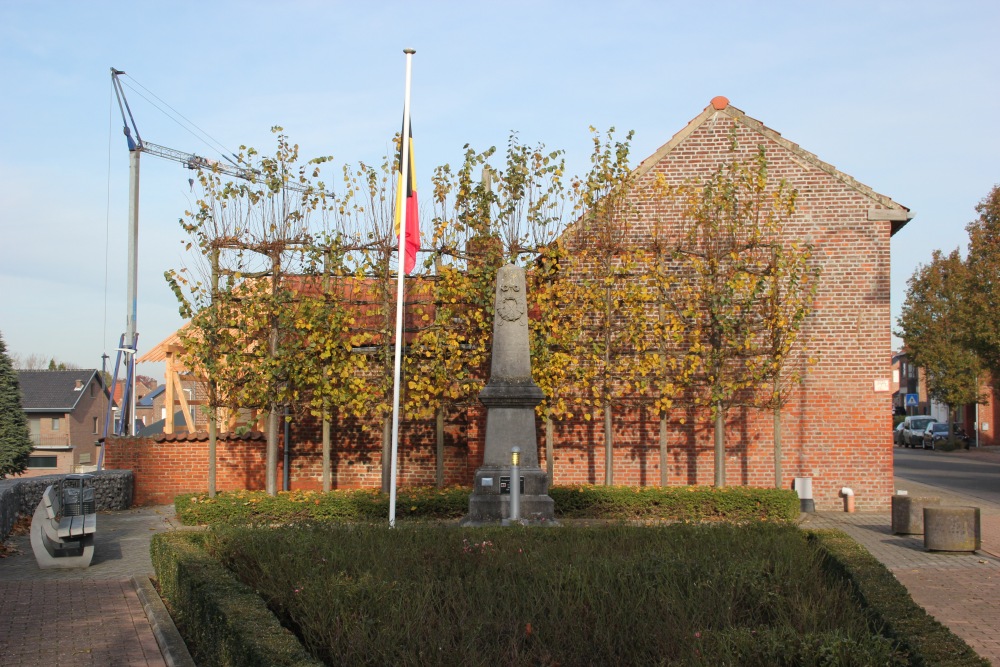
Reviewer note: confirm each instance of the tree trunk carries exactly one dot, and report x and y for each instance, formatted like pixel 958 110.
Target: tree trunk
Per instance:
pixel 664 477
pixel 952 414
pixel 327 467
pixel 213 391
pixel 327 477
pixel 439 432
pixel 777 448
pixel 272 416
pixel 549 448
pixel 386 452
pixel 609 459
pixel 720 446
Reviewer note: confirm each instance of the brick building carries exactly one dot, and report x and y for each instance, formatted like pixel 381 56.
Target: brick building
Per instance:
pixel 66 412
pixel 837 427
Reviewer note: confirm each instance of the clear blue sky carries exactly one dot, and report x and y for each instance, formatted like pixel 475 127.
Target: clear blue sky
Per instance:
pixel 902 95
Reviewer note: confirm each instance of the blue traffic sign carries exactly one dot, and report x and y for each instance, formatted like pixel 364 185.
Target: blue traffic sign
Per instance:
pixel 912 400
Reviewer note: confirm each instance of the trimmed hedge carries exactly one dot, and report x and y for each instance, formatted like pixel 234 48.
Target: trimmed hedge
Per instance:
pixel 737 504
pixel 225 623
pixel 890 607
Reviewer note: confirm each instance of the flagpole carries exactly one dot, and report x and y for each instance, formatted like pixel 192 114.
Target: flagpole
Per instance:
pixel 401 272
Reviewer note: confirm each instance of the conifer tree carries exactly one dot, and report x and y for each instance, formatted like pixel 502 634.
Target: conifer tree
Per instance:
pixel 15 441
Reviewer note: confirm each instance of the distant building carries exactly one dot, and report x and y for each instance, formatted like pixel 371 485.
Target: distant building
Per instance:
pixel 979 421
pixel 66 411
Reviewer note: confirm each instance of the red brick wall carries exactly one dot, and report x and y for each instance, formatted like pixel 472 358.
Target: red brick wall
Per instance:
pixel 165 466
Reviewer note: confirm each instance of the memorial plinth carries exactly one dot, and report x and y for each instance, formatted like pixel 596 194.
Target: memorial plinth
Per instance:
pixel 510 398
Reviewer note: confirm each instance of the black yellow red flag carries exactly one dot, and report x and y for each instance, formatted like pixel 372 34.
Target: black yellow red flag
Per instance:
pixel 409 192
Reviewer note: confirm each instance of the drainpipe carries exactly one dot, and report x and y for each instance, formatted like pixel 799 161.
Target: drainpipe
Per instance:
pixel 288 452
pixel 848 494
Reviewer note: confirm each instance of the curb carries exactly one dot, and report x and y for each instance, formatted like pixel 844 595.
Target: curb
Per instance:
pixel 175 652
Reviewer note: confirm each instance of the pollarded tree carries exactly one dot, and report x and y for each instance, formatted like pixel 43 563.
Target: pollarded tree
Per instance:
pixel 983 262
pixel 557 341
pixel 933 326
pixel 613 297
pixel 790 292
pixel 15 440
pixel 724 278
pixel 254 234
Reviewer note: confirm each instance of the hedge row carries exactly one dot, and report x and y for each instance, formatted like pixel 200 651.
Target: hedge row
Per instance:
pixel 736 504
pixel 891 609
pixel 225 623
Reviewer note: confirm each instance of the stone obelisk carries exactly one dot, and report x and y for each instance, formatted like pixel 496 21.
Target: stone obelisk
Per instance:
pixel 510 398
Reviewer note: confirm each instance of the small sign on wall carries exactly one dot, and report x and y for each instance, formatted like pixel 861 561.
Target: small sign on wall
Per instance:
pixel 881 385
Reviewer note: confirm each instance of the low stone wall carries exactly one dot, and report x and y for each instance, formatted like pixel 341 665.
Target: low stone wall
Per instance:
pixel 113 490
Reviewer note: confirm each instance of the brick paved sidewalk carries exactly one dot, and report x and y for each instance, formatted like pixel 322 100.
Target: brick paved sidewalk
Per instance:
pixel 105 615
pixel 75 622
pixel 961 590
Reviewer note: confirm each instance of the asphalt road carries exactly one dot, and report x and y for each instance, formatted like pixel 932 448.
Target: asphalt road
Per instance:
pixel 953 471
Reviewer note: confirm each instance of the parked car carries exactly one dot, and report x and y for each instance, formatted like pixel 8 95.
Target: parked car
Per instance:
pixel 913 429
pixel 897 435
pixel 937 433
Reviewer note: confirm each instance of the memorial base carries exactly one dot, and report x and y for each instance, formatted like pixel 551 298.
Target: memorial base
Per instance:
pixel 489 503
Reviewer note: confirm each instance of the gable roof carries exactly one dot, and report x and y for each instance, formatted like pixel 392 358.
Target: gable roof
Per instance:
pixel 895 212
pixel 55 391
pixel 147 400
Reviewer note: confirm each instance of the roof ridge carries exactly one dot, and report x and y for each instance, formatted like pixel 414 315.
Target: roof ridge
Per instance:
pixel 721 105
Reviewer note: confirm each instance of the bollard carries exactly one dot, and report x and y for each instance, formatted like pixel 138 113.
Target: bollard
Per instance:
pixel 515 484
pixel 803 487
pixel 908 513
pixel 952 529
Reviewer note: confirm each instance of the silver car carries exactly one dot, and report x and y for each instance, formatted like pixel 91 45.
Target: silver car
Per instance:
pixel 913 430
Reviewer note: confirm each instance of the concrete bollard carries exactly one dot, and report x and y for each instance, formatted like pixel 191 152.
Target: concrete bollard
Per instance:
pixel 803 487
pixel 908 513
pixel 952 529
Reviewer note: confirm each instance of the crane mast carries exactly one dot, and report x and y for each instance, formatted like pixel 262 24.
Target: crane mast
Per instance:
pixel 128 344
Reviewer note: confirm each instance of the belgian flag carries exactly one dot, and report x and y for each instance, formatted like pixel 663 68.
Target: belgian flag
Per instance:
pixel 412 241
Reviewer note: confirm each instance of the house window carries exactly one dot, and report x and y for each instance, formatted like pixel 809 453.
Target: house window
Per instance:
pixel 95 426
pixel 36 462
pixel 55 423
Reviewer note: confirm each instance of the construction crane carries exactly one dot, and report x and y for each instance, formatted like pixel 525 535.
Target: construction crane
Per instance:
pixel 128 343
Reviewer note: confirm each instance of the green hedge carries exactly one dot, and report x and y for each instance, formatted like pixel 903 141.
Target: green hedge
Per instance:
pixel 225 623
pixel 675 503
pixel 890 607
pixel 736 504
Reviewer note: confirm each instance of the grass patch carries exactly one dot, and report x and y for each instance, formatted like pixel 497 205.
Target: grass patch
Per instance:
pixel 666 595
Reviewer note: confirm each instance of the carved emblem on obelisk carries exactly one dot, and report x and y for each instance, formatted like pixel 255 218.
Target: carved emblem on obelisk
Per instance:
pixel 511 304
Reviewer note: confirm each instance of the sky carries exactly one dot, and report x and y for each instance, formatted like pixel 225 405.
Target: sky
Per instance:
pixel 902 95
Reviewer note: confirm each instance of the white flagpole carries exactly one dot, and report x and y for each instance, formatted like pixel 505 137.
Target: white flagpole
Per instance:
pixel 401 272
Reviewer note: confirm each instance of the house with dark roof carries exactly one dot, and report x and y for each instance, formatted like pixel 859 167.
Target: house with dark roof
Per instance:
pixel 66 411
